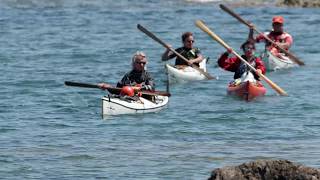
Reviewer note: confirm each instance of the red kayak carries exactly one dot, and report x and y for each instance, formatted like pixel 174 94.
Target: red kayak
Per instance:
pixel 247 90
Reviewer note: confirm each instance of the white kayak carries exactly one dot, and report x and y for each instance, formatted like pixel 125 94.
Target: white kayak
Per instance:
pixel 115 105
pixel 181 73
pixel 274 63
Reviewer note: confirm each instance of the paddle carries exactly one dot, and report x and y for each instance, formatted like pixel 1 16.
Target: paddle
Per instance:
pixel 152 36
pixel 292 57
pixel 204 28
pixel 115 90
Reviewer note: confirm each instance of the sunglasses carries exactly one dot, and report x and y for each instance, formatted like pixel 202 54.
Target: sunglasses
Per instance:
pixel 144 63
pixel 190 41
pixel 248 48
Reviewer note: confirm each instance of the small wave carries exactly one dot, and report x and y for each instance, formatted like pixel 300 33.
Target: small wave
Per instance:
pixel 32 3
pixel 79 157
pixel 57 125
pixel 4 130
pixel 312 125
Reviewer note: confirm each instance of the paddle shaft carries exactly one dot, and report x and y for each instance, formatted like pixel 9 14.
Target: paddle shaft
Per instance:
pixel 86 85
pixel 152 36
pixel 203 27
pixel 114 89
pixel 292 57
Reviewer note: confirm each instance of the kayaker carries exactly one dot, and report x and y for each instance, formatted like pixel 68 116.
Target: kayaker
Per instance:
pixel 278 35
pixel 234 64
pixel 193 54
pixel 138 78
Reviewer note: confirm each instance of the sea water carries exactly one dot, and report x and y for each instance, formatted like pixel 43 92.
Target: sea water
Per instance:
pixel 51 131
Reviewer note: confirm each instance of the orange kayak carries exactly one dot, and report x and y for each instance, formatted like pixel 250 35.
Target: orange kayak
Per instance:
pixel 247 90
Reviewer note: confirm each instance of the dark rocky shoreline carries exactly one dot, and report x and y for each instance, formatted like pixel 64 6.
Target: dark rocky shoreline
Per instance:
pixel 265 170
pixel 300 3
pixel 283 3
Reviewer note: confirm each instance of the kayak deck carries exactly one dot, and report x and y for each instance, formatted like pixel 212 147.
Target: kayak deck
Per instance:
pixel 115 105
pixel 247 90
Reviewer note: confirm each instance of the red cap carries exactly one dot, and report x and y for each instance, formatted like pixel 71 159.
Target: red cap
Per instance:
pixel 277 19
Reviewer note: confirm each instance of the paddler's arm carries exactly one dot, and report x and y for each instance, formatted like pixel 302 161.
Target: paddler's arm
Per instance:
pixel 229 64
pixel 288 42
pixel 145 86
pixel 104 86
pixel 196 60
pixel 261 68
pixel 167 54
pixel 149 84
pixel 149 87
pixel 251 32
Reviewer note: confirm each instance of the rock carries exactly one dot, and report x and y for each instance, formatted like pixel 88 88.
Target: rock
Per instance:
pixel 300 3
pixel 265 170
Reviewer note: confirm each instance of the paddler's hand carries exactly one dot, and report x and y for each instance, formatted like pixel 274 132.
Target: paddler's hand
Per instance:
pixel 258 71
pixel 104 86
pixel 167 53
pixel 251 26
pixel 190 62
pixel 229 51
pixel 277 44
pixel 282 45
pixel 136 88
pixel 168 49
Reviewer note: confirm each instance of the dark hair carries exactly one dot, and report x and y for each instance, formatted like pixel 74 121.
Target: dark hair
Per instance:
pixel 248 42
pixel 186 35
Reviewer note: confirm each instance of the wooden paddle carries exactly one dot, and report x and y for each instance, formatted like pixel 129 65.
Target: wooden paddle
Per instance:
pixel 293 58
pixel 204 28
pixel 115 90
pixel 152 36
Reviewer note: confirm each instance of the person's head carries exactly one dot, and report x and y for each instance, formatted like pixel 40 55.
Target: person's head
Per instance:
pixel 187 40
pixel 277 24
pixel 248 48
pixel 139 61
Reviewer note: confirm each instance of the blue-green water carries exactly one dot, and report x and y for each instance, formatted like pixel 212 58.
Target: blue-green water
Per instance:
pixel 50 131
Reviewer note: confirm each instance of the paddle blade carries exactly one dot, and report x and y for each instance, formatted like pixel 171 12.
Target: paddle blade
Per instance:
pixel 295 59
pixel 152 36
pixel 215 37
pixel 77 84
pixel 226 9
pixel 274 86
